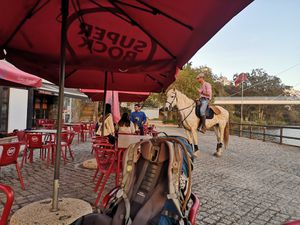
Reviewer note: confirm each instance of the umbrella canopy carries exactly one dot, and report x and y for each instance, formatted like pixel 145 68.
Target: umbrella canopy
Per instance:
pixel 94 79
pixel 124 96
pixel 127 37
pixel 13 77
pixel 122 37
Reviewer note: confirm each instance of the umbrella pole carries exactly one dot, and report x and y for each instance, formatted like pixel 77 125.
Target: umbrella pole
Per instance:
pixel 104 103
pixel 65 12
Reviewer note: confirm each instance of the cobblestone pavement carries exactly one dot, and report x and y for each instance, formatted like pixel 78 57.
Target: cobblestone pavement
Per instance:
pixel 253 183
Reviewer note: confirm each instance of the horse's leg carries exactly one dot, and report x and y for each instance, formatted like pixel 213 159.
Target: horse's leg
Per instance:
pixel 219 130
pixel 189 137
pixel 192 141
pixel 195 140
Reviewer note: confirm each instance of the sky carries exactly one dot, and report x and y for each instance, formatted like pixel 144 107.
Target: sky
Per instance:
pixel 265 35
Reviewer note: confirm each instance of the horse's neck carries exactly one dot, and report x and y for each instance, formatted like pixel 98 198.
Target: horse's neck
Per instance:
pixel 183 102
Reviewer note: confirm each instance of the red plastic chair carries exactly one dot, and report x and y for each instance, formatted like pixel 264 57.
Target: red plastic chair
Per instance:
pixel 48 126
pixel 98 140
pixel 67 139
pixel 101 144
pixel 85 130
pixel 92 129
pixel 78 131
pixel 40 122
pixel 35 141
pixel 21 136
pixel 10 153
pixel 9 193
pixel 107 160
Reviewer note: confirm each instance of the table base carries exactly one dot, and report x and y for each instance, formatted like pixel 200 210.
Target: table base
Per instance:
pixel 39 212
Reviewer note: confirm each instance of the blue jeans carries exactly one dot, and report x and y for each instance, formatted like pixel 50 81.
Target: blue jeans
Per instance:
pixel 204 104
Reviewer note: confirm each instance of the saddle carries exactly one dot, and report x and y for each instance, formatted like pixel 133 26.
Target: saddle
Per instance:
pixel 210 111
pixel 156 186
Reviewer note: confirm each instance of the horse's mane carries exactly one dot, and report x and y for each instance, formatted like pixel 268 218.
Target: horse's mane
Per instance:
pixel 185 98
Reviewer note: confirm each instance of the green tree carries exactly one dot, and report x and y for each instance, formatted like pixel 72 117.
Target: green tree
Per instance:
pixel 155 100
pixel 187 83
pixel 260 83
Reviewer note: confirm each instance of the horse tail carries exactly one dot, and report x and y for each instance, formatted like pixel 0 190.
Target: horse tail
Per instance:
pixel 226 134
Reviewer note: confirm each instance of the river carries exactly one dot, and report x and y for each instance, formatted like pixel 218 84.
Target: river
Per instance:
pixel 286 132
pixel 290 133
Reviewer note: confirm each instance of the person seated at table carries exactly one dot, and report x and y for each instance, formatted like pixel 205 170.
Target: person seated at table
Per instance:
pixel 109 129
pixel 124 125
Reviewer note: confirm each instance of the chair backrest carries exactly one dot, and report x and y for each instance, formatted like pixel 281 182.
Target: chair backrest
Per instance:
pixel 39 122
pixel 21 136
pixel 10 152
pixel 105 157
pixel 92 126
pixel 68 137
pixel 85 126
pixel 100 138
pixel 8 191
pixel 34 140
pixel 76 128
pixel 48 126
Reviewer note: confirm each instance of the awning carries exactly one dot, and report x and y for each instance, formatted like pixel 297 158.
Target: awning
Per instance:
pixel 13 77
pixel 51 89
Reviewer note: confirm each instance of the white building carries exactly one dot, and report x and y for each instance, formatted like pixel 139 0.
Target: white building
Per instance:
pixel 19 107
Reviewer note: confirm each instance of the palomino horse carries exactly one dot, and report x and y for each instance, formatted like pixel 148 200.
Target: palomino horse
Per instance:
pixel 189 120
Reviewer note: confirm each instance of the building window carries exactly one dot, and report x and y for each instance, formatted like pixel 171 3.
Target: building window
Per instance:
pixel 4 99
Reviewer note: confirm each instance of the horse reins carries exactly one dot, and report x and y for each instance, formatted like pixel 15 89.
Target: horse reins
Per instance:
pixel 178 110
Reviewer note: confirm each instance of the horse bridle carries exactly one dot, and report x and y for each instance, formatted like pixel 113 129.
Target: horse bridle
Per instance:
pixel 175 97
pixel 178 110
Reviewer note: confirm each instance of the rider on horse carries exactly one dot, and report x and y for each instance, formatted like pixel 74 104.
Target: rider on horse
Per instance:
pixel 205 96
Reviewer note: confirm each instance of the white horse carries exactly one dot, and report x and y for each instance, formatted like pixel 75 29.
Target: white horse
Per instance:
pixel 189 120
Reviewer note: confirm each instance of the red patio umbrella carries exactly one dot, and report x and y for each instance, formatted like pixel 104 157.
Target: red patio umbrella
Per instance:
pixel 94 79
pixel 130 37
pixel 122 37
pixel 13 77
pixel 124 96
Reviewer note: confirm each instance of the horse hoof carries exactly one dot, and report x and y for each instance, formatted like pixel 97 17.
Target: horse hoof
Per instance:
pixel 196 154
pixel 216 154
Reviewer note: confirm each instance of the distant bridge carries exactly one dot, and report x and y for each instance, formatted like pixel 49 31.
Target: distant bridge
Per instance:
pixel 281 100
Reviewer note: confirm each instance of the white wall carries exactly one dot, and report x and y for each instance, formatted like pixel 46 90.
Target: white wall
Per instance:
pixel 17 111
pixel 151 113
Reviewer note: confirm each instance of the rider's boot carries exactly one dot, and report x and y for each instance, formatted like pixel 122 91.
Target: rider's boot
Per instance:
pixel 196 153
pixel 202 124
pixel 199 125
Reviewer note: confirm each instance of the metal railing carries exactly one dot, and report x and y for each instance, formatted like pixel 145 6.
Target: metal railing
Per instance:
pixel 260 98
pixel 276 134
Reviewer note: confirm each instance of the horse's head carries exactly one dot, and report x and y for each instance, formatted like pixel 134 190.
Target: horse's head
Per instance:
pixel 171 99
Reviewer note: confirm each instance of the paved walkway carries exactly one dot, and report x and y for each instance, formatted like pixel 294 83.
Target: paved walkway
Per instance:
pixel 253 183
